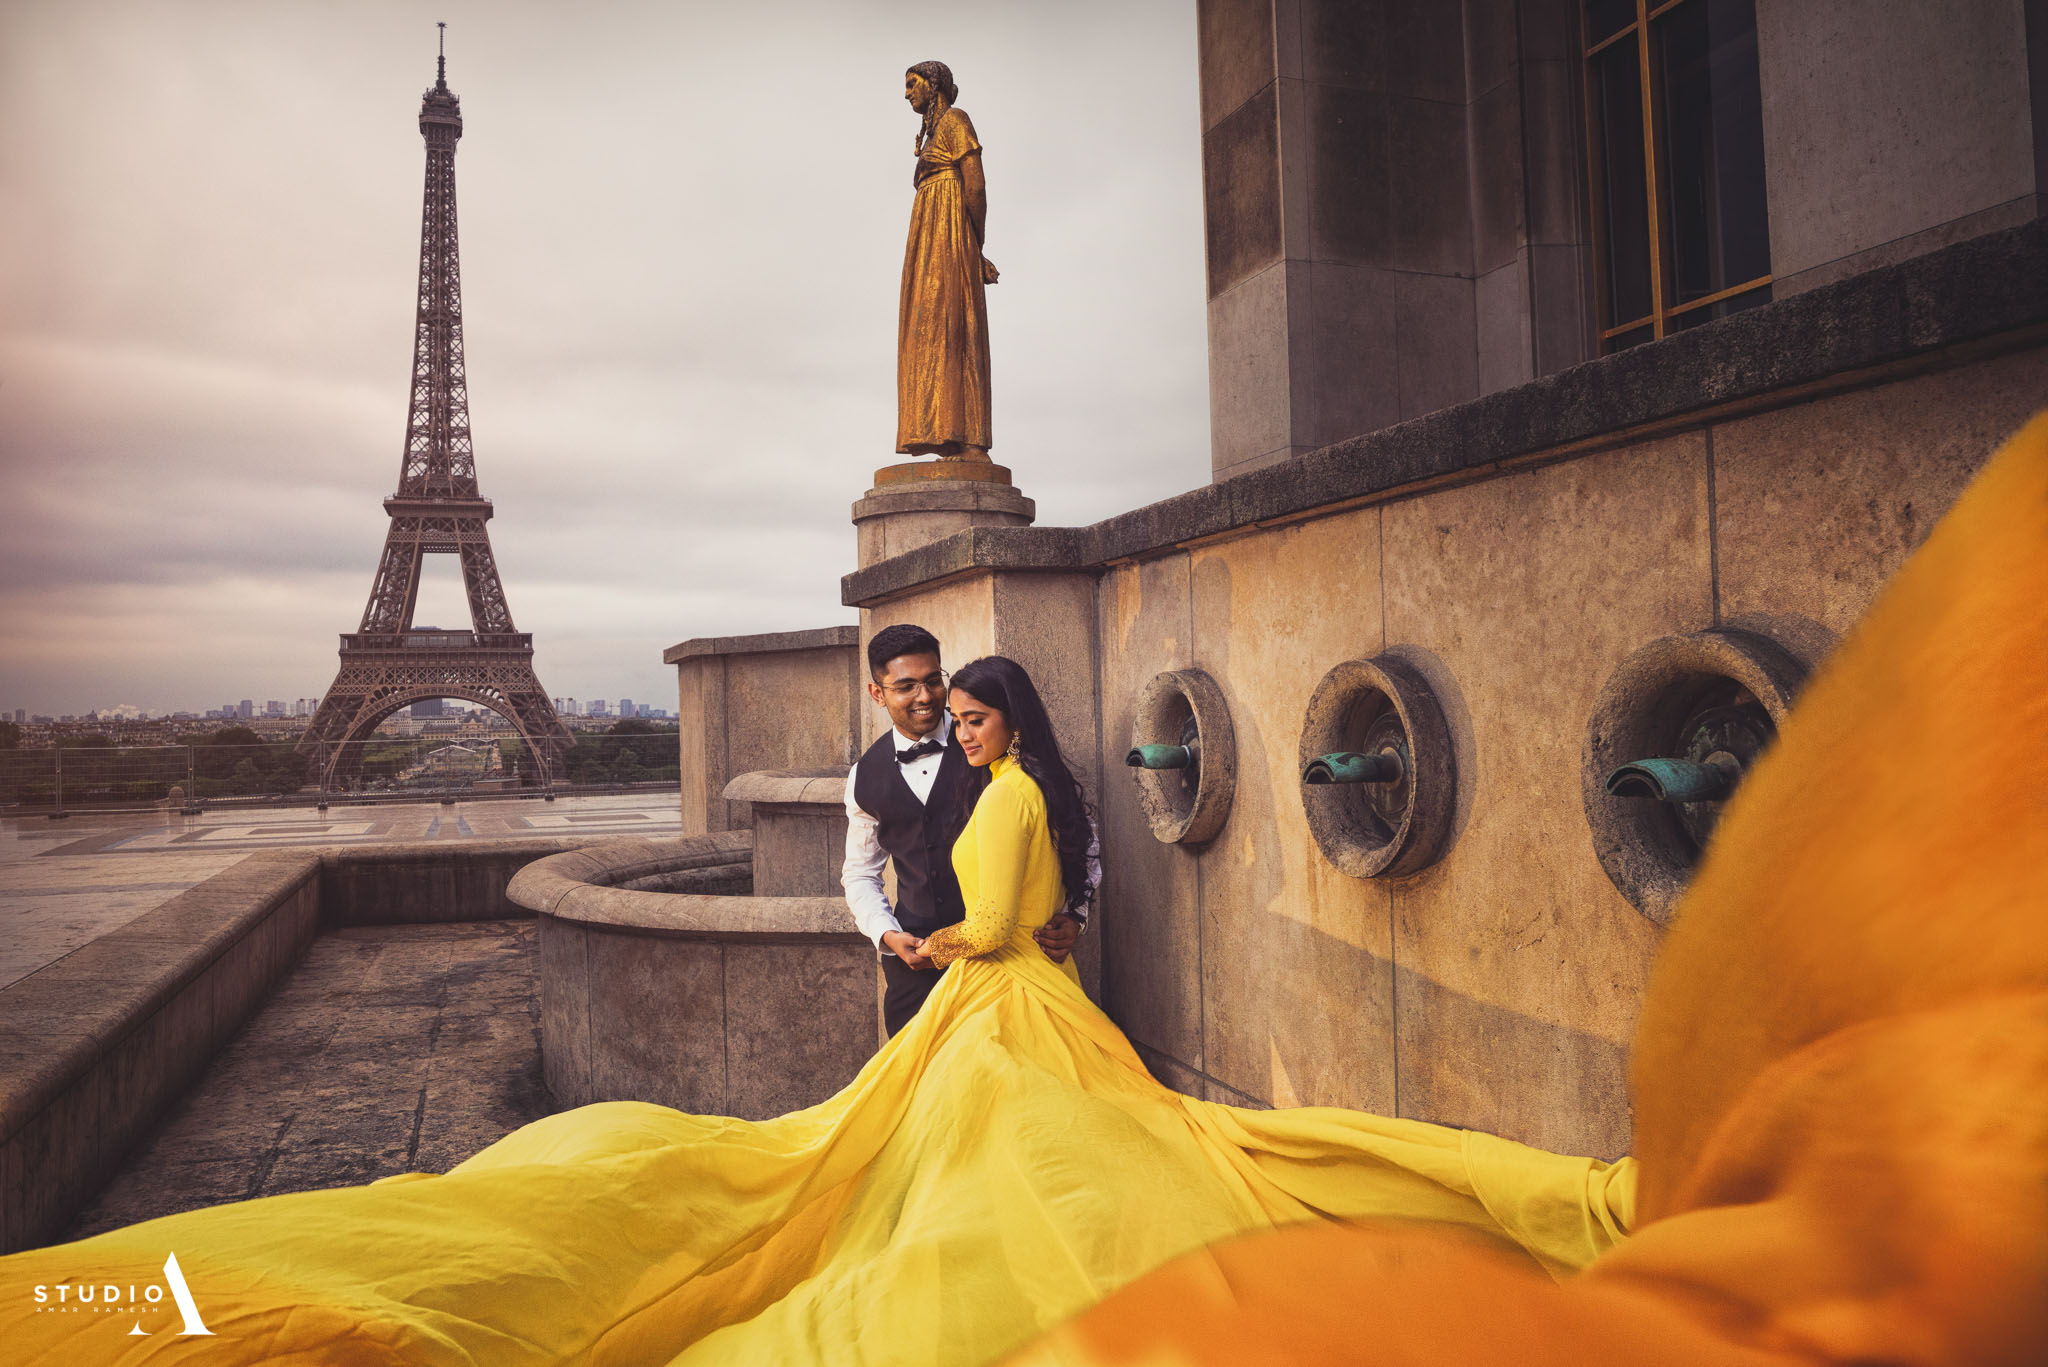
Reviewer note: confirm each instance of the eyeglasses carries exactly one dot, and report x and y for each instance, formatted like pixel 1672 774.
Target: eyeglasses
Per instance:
pixel 910 688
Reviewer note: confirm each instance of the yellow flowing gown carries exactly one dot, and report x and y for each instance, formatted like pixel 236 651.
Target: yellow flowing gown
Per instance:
pixel 1002 1163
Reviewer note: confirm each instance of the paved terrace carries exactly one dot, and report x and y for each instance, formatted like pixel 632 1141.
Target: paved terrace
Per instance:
pixel 389 1049
pixel 63 883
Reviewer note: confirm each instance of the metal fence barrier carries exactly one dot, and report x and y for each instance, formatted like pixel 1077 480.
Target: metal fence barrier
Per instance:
pixel 81 776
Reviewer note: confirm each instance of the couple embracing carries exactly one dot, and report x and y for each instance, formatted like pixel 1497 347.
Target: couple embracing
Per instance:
pixel 908 799
pixel 1002 1163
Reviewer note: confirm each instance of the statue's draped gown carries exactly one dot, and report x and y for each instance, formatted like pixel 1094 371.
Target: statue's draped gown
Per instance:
pixel 1001 1164
pixel 942 387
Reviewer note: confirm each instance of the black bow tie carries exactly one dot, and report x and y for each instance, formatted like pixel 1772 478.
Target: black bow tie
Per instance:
pixel 919 751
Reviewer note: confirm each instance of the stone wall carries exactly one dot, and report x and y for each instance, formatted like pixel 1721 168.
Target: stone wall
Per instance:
pixel 779 700
pixel 732 1004
pixel 100 1043
pixel 417 882
pixel 1498 989
pixel 1769 471
pixel 1893 130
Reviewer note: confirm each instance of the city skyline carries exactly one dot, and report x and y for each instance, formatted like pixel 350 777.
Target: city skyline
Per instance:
pixel 203 350
pixel 617 705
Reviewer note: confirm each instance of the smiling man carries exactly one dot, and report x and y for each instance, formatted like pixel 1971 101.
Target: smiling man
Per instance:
pixel 903 808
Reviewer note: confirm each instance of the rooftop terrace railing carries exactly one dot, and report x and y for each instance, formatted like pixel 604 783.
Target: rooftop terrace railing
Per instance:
pixel 202 775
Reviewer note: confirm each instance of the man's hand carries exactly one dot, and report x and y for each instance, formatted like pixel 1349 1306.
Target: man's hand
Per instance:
pixel 1057 936
pixel 906 947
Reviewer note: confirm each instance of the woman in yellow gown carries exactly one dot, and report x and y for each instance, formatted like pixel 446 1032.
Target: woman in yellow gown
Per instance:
pixel 1002 1163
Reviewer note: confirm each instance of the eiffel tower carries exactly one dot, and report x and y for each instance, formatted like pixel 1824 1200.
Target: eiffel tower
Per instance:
pixel 388 663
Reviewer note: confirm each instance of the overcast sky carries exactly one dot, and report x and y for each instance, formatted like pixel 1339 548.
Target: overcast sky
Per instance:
pixel 682 232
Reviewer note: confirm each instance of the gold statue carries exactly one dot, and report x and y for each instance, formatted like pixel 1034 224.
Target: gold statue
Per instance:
pixel 942 390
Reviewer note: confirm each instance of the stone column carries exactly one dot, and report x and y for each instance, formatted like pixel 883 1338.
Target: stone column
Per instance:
pixel 1394 201
pixel 799 818
pixel 777 700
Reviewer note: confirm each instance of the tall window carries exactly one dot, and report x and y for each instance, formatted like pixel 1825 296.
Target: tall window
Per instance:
pixel 1677 148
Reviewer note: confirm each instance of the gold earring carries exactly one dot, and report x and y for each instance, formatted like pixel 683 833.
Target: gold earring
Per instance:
pixel 1016 747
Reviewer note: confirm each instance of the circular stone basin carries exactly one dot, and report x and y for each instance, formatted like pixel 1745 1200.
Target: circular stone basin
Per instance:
pixel 662 980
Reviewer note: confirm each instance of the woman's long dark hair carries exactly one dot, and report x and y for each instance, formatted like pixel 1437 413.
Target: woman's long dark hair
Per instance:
pixel 1001 683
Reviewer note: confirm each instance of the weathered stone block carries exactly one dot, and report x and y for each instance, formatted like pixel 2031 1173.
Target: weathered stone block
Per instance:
pixel 1492 44
pixel 779 700
pixel 565 1011
pixel 1425 50
pixel 1499 184
pixel 1355 373
pixel 1252 383
pixel 1874 132
pixel 1351 203
pixel 1864 477
pixel 1294 969
pixel 1432 203
pixel 1236 47
pixel 1501 314
pixel 1148 928
pixel 1554 160
pixel 1468 1063
pixel 799 830
pixel 899 517
pixel 799 1024
pixel 657 1011
pixel 1343 42
pixel 1438 342
pixel 1241 191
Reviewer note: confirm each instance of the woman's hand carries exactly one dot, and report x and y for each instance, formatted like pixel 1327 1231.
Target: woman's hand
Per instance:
pixel 906 946
pixel 1058 936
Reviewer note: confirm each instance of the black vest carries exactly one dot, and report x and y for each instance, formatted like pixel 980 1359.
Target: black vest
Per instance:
pixel 917 836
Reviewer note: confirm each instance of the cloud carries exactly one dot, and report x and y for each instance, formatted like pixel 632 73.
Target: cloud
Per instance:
pixel 682 231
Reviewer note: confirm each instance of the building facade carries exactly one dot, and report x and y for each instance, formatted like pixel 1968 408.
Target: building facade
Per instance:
pixel 1409 205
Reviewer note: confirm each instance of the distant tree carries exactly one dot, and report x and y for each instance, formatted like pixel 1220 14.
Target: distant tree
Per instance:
pixel 651 745
pixel 10 736
pixel 234 735
pixel 287 775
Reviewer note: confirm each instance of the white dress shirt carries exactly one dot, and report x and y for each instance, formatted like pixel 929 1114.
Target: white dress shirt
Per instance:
pixel 861 874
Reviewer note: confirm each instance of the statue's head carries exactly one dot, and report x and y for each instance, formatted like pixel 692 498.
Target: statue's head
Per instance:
pixel 925 80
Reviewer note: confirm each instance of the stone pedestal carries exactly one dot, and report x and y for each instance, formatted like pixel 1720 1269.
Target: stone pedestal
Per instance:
pixel 919 502
pixel 799 820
